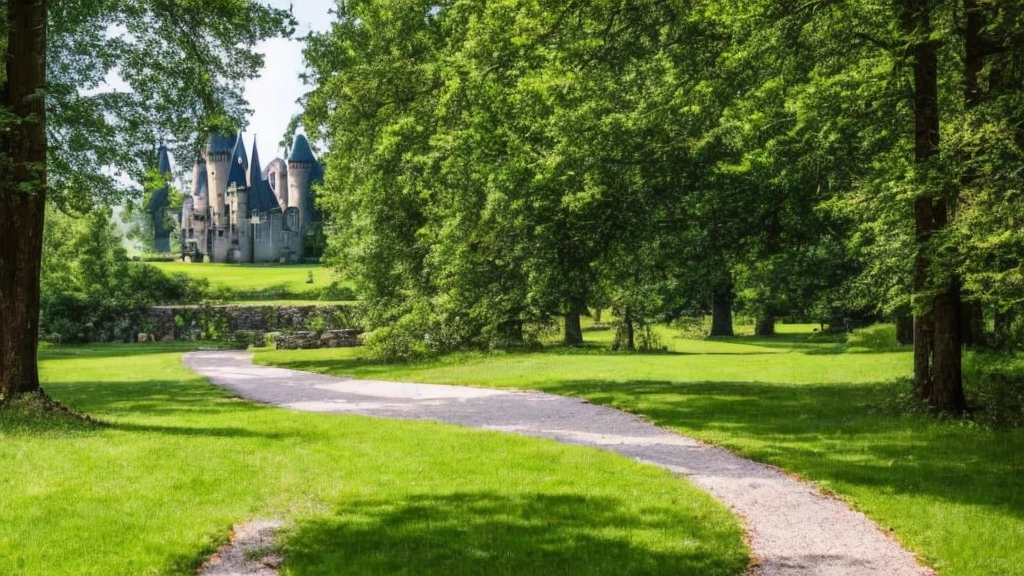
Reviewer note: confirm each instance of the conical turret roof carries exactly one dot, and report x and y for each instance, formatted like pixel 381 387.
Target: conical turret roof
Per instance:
pixel 239 166
pixel 158 200
pixel 221 144
pixel 261 198
pixel 301 152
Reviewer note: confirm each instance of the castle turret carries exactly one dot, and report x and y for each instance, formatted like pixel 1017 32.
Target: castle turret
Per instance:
pixel 200 187
pixel 237 239
pixel 219 154
pixel 194 222
pixel 302 170
pixel 158 202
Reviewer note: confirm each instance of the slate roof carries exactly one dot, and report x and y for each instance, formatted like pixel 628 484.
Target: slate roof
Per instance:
pixel 261 197
pixel 221 144
pixel 301 152
pixel 239 164
pixel 158 200
pixel 163 160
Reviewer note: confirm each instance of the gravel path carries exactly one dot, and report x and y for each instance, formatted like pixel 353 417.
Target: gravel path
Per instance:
pixel 794 529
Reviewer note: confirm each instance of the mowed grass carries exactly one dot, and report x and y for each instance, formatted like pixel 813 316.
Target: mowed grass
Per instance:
pixel 178 462
pixel 832 412
pixel 280 281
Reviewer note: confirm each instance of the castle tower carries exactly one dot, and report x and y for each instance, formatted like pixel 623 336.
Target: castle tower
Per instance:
pixel 238 243
pixel 220 151
pixel 194 221
pixel 302 169
pixel 158 203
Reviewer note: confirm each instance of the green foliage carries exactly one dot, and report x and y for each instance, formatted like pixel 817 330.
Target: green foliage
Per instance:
pixel 91 292
pixel 181 68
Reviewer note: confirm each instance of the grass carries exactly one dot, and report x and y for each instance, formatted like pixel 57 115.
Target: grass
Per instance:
pixel 291 277
pixel 829 410
pixel 176 462
pixel 265 283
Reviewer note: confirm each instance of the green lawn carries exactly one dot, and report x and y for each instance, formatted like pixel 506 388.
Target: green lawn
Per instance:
pixel 178 462
pixel 826 410
pixel 261 283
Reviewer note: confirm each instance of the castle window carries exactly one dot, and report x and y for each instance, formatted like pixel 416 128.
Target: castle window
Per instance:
pixel 273 180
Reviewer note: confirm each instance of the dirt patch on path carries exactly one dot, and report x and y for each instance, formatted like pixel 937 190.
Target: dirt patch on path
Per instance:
pixel 249 553
pixel 794 529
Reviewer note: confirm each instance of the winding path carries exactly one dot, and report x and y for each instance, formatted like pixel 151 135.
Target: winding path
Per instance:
pixel 794 529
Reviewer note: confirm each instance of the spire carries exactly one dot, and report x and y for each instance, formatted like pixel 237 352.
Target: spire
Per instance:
pixel 163 161
pixel 262 198
pixel 301 152
pixel 255 170
pixel 158 200
pixel 239 164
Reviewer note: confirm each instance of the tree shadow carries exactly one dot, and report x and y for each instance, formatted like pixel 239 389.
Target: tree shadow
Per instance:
pixel 852 434
pixel 149 398
pixel 55 354
pixel 470 533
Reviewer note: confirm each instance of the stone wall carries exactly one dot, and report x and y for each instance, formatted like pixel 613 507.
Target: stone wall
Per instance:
pixel 222 322
pixel 311 340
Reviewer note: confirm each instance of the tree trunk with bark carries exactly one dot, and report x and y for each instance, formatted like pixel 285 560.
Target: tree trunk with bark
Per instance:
pixel 937 350
pixel 721 309
pixel 765 326
pixel 625 338
pixel 22 196
pixel 573 330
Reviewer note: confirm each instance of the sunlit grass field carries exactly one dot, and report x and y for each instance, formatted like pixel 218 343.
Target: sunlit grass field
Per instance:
pixel 291 277
pixel 176 462
pixel 833 410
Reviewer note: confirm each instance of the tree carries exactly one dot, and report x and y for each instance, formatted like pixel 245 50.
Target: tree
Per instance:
pixel 71 138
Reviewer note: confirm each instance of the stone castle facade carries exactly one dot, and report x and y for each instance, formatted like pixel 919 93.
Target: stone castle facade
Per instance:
pixel 240 212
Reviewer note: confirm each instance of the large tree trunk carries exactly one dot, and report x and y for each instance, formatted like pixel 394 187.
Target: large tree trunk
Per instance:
pixel 721 309
pixel 765 326
pixel 937 350
pixel 22 196
pixel 625 337
pixel 573 330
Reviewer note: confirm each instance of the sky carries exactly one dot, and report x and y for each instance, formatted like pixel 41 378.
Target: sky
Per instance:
pixel 273 96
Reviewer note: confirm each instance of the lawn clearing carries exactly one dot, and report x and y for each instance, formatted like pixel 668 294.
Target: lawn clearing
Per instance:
pixel 815 406
pixel 241 283
pixel 179 462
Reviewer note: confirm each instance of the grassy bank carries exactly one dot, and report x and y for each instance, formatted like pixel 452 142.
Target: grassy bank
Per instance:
pixel 176 462
pixel 255 283
pixel 832 411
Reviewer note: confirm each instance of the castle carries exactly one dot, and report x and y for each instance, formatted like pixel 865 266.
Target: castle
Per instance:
pixel 239 212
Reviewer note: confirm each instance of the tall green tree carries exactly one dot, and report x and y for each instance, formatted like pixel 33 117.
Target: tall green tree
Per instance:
pixel 71 137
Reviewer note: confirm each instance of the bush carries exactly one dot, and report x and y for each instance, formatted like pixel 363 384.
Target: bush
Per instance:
pixel 117 310
pixel 994 386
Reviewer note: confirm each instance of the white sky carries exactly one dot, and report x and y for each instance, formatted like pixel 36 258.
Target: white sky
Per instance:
pixel 272 97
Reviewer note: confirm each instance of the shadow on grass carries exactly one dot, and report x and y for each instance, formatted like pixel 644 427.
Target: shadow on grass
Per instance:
pixel 149 398
pixel 483 533
pixel 850 434
pixel 52 354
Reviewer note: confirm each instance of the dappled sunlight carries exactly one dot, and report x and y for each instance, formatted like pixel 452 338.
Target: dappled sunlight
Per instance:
pixel 469 533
